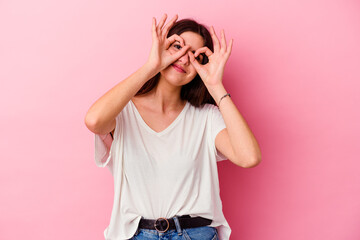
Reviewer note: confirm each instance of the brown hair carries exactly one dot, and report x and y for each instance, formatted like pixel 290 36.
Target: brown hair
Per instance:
pixel 195 91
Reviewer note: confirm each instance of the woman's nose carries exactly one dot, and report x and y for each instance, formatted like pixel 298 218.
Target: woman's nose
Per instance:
pixel 184 58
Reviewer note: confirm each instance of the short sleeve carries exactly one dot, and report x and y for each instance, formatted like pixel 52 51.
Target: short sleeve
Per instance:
pixel 104 145
pixel 217 124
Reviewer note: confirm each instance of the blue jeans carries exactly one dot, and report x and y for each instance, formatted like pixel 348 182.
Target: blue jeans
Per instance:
pixel 198 233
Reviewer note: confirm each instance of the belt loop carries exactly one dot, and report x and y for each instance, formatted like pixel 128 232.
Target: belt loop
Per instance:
pixel 177 224
pixel 137 231
pixel 138 228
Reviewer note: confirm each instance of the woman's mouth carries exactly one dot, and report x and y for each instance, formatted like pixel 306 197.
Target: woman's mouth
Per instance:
pixel 178 68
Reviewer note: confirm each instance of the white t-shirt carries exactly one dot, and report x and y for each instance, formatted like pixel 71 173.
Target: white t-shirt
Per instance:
pixel 163 174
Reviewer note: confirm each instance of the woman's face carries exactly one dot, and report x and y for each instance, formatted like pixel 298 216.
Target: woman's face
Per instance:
pixel 181 71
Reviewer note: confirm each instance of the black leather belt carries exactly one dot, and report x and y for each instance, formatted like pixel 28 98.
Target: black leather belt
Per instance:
pixel 163 224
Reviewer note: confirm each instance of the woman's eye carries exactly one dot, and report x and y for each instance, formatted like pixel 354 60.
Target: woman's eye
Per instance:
pixel 177 46
pixel 199 58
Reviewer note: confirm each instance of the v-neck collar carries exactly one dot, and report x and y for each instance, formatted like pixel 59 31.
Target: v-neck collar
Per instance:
pixel 168 128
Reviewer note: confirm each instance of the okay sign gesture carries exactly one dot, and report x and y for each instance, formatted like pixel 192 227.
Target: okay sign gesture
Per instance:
pixel 212 72
pixel 160 57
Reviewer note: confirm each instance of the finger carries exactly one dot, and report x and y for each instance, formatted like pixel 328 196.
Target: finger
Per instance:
pixel 223 41
pixel 180 53
pixel 205 50
pixel 215 39
pixel 174 38
pixel 161 23
pixel 153 29
pixel 167 27
pixel 194 62
pixel 229 47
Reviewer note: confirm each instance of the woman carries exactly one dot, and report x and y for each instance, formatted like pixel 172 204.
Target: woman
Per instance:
pixel 168 135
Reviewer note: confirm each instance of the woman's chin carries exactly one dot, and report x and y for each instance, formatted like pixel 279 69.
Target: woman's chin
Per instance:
pixel 176 82
pixel 173 80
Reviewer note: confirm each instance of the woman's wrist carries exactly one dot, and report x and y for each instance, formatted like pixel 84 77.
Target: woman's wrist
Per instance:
pixel 150 69
pixel 217 91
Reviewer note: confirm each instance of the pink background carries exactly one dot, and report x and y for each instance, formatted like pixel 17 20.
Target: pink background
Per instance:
pixel 293 73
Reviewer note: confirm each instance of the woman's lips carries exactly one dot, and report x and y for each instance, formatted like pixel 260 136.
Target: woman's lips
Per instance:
pixel 178 68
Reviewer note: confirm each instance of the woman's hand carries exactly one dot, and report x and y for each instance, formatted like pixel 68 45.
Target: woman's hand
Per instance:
pixel 160 57
pixel 212 72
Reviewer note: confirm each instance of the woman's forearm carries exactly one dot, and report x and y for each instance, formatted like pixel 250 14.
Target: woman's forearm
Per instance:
pixel 100 117
pixel 245 147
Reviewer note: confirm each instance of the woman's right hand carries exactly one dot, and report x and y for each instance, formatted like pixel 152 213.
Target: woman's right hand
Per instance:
pixel 160 56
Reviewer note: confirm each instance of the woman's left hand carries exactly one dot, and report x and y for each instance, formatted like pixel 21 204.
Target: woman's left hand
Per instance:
pixel 212 72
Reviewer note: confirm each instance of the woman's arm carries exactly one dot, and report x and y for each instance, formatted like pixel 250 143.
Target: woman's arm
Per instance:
pixel 100 118
pixel 236 141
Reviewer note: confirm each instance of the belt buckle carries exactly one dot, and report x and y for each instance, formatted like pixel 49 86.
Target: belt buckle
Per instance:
pixel 155 224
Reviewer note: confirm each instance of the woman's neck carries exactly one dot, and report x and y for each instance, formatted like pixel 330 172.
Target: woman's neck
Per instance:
pixel 166 96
